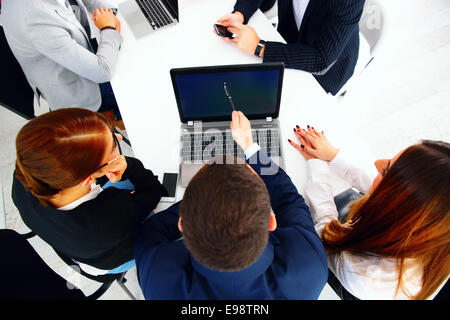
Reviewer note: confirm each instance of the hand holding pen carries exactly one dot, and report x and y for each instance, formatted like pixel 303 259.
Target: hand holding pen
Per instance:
pixel 227 92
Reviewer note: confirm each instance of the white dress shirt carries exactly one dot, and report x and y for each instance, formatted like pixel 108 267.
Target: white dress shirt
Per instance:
pixel 366 277
pixel 299 11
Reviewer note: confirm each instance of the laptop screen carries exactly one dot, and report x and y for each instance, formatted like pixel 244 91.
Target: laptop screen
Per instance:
pixel 255 90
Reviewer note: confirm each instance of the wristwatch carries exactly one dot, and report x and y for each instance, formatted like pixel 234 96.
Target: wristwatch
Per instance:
pixel 259 47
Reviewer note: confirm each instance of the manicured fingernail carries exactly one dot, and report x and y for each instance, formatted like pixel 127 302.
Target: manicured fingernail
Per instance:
pixel 289 140
pixel 297 126
pixel 307 126
pixel 295 130
pixel 303 147
pixel 312 127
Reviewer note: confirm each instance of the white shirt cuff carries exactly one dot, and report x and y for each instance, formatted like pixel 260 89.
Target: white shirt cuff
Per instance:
pixel 317 166
pixel 254 148
pixel 339 162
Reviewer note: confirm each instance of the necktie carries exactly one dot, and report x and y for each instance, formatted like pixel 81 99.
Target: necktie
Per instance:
pixel 81 15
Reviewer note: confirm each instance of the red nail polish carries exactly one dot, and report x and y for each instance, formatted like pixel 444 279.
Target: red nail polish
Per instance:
pixel 303 147
pixel 289 140
pixel 297 126
pixel 307 126
pixel 295 130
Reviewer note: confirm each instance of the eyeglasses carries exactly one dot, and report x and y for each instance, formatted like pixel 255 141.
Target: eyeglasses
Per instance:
pixel 116 144
pixel 386 169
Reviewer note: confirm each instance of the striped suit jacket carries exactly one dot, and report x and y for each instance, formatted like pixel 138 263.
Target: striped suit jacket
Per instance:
pixel 326 44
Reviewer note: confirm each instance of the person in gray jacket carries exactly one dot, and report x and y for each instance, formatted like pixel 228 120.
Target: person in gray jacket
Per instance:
pixel 51 39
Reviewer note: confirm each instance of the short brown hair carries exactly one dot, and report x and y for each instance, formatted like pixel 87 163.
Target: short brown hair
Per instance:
pixel 225 216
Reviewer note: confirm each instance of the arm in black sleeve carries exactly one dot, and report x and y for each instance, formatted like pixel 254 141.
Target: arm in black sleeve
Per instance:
pixel 332 38
pixel 247 8
pixel 148 189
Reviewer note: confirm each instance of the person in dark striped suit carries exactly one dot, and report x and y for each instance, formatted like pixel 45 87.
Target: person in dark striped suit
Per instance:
pixel 322 37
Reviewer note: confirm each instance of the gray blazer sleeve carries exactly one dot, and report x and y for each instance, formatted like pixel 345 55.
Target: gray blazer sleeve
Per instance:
pixel 56 43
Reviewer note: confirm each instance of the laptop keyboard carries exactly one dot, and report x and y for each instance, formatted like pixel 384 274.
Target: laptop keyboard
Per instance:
pixel 154 13
pixel 206 145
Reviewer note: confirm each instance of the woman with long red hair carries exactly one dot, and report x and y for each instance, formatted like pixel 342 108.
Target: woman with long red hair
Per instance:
pixel 395 241
pixel 60 157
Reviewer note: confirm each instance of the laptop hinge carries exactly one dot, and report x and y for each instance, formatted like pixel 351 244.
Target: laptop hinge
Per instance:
pixel 192 123
pixel 269 119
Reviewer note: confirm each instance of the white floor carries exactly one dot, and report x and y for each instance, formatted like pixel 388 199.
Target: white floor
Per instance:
pixel 401 98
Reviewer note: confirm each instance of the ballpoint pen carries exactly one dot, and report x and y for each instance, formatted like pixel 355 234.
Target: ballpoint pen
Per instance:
pixel 227 92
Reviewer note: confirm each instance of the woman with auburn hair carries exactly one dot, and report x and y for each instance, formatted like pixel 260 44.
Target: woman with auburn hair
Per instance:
pixel 395 242
pixel 60 155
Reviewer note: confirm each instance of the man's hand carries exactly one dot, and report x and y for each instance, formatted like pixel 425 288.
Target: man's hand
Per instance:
pixel 231 18
pixel 246 38
pixel 104 17
pixel 241 130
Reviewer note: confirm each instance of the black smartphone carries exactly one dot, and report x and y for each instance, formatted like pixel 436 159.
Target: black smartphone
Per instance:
pixel 170 184
pixel 222 31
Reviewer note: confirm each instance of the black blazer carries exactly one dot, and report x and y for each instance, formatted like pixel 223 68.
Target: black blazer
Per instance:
pixel 327 43
pixel 99 232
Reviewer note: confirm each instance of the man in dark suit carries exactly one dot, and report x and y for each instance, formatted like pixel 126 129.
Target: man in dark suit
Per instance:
pixel 322 37
pixel 225 242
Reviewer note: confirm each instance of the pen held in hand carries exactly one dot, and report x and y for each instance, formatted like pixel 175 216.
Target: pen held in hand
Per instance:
pixel 227 92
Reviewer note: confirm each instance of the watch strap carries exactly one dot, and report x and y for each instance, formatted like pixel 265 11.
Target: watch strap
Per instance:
pixel 259 47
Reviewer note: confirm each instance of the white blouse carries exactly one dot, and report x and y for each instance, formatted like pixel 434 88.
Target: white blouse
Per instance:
pixel 366 277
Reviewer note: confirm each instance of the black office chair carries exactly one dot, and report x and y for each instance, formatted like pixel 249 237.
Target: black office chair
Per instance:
pixel 25 276
pixel 15 92
pixel 106 280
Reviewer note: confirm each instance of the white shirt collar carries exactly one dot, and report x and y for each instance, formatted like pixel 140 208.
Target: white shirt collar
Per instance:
pixel 95 191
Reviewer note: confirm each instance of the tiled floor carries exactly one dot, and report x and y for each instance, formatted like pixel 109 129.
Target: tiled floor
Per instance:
pixel 402 97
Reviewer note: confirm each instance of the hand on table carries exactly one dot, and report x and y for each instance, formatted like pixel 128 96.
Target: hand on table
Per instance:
pixel 104 17
pixel 241 130
pixel 314 144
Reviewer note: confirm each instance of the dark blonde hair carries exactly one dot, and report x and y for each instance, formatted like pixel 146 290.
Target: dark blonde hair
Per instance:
pixel 407 216
pixel 59 149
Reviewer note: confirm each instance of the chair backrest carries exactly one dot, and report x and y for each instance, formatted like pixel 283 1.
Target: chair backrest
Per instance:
pixel 372 24
pixel 24 275
pixel 444 293
pixel 15 91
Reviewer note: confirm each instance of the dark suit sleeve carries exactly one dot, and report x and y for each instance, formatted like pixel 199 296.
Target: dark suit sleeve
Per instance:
pixel 288 205
pixel 332 38
pixel 155 231
pixel 247 8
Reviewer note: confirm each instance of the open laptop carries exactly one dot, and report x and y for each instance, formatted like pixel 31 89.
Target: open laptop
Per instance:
pixel 147 16
pixel 205 97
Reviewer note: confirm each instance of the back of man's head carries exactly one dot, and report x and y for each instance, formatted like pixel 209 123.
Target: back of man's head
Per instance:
pixel 225 216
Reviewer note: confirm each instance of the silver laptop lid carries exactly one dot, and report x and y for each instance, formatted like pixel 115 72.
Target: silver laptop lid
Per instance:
pixel 203 93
